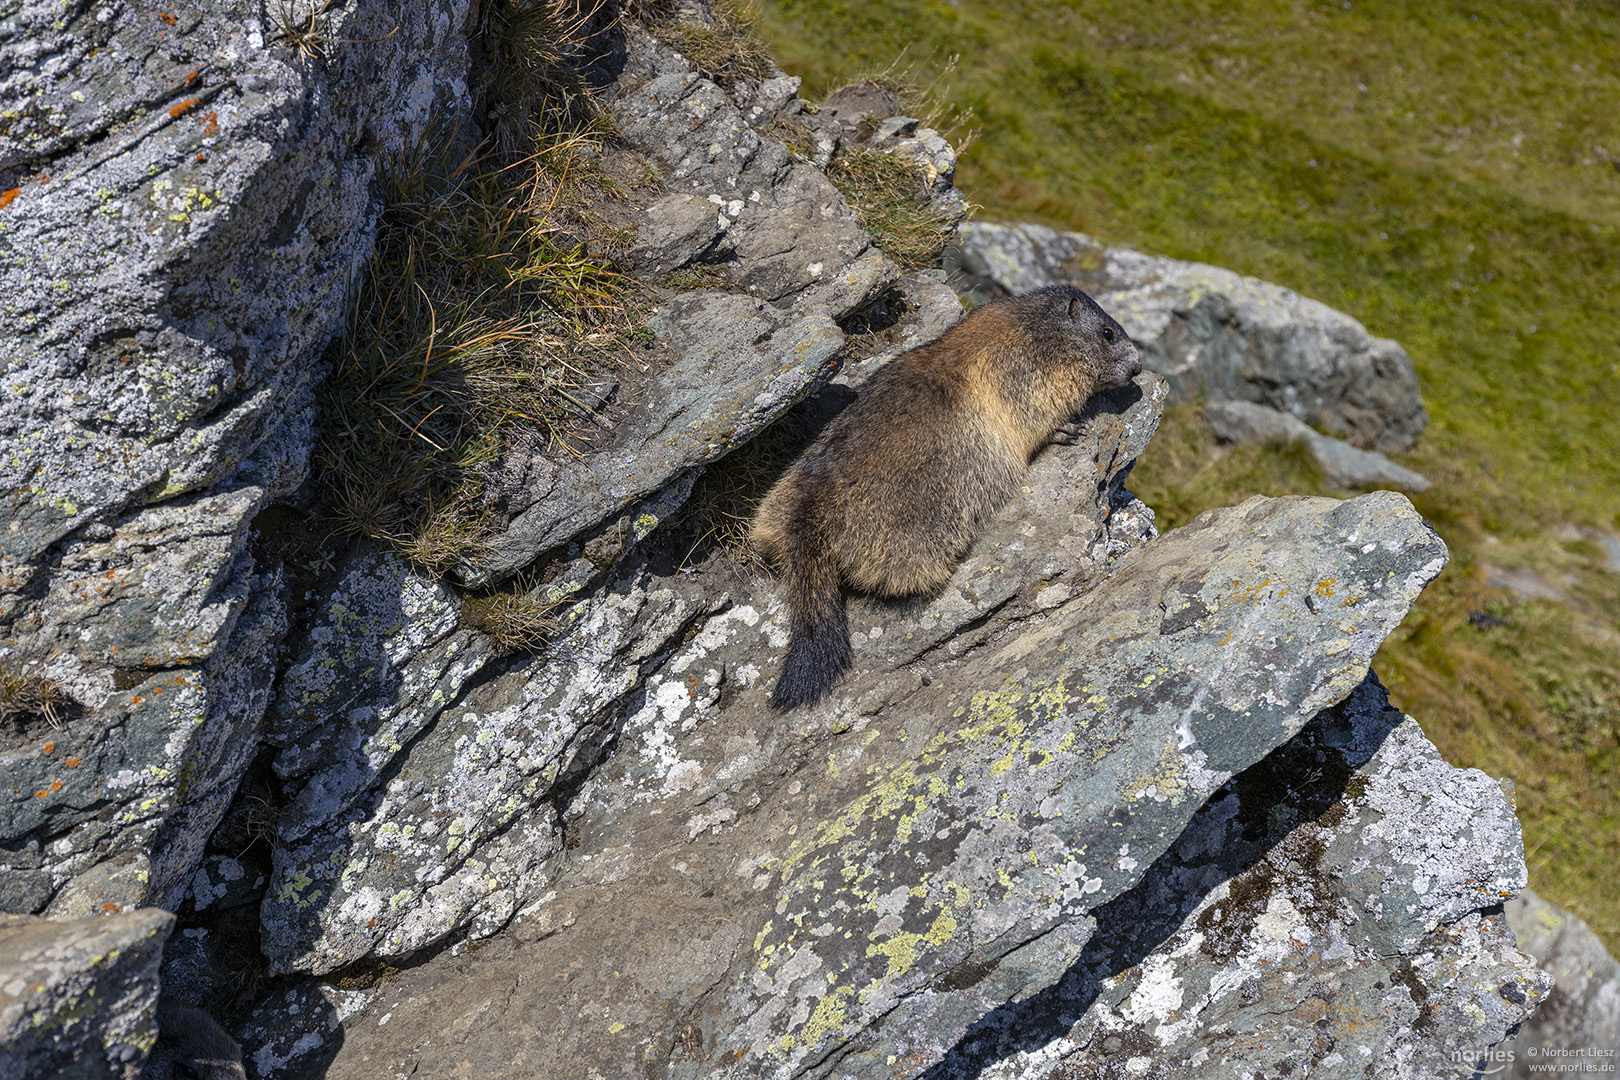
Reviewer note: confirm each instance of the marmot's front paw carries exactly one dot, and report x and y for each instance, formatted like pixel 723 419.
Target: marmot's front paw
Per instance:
pixel 1066 434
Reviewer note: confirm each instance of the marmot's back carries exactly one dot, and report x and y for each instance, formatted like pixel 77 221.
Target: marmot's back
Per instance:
pixel 891 495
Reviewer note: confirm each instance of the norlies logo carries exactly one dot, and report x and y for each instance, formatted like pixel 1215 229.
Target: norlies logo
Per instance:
pixel 1554 1060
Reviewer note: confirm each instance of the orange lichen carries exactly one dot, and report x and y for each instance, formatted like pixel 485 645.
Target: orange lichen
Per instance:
pixel 49 748
pixel 185 107
pixel 72 762
pixel 7 196
pixel 171 20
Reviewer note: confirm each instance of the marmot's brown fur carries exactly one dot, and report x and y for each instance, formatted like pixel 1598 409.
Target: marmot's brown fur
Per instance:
pixel 891 495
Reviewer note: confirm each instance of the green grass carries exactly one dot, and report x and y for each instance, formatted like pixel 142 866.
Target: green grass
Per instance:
pixel 1466 203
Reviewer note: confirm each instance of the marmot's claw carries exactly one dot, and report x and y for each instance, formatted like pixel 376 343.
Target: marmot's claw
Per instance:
pixel 1066 434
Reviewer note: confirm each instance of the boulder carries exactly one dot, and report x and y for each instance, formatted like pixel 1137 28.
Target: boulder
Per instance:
pixel 78 998
pixel 1341 463
pixel 1578 1026
pixel 185 196
pixel 1333 910
pixel 935 837
pixel 1214 334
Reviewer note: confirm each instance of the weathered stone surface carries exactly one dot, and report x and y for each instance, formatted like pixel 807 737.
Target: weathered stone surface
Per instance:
pixel 456 832
pixel 78 998
pixel 1246 422
pixel 794 261
pixel 1121 708
pixel 1583 1010
pixel 1214 333
pixel 120 799
pixel 296 1030
pixel 188 194
pixel 1333 910
pixel 970 853
pixel 189 198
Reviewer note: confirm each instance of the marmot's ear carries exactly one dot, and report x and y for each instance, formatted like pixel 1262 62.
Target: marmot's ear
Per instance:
pixel 1074 301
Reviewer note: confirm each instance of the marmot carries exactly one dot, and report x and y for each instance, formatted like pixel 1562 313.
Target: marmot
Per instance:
pixel 891 495
pixel 191 1044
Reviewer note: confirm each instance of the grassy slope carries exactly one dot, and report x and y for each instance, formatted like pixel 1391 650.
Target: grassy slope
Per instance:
pixel 1244 138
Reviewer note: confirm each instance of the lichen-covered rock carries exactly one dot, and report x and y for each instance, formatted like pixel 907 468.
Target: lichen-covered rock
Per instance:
pixel 794 262
pixel 1583 1010
pixel 187 195
pixel 455 832
pixel 1246 422
pixel 78 998
pixel 1334 910
pixel 942 889
pixel 117 802
pixel 1213 333
pixel 955 818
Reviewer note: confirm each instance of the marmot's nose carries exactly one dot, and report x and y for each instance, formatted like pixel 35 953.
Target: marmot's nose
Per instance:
pixel 1136 362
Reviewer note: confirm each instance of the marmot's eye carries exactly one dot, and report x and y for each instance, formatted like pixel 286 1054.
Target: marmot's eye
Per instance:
pixel 1108 333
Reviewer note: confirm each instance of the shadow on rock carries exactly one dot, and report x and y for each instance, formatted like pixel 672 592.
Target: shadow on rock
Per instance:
pixel 1305 779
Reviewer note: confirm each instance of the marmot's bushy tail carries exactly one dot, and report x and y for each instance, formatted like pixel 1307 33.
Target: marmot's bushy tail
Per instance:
pixel 819 650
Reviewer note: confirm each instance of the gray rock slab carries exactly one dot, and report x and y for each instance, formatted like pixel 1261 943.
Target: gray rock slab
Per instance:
pixel 188 194
pixel 1060 784
pixel 1049 544
pixel 123 796
pixel 1334 910
pixel 794 261
pixel 78 998
pixel 956 811
pixel 1246 422
pixel 453 829
pixel 190 199
pixel 1213 333
pixel 1583 1010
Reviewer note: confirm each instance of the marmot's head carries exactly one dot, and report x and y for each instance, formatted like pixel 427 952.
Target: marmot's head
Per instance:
pixel 1069 327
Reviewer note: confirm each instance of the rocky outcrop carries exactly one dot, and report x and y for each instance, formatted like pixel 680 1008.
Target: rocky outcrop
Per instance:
pixel 1341 463
pixel 1108 803
pixel 875 883
pixel 1215 334
pixel 1578 1028
pixel 186 195
pixel 792 262
pixel 79 997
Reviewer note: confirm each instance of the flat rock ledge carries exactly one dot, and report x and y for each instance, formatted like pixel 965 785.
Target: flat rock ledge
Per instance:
pixel 854 890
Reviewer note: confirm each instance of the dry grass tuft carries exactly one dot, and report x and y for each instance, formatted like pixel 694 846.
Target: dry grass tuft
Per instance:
pixel 726 49
pixel 924 96
pixel 514 622
pixel 481 310
pixel 534 51
pixel 27 695
pixel 890 195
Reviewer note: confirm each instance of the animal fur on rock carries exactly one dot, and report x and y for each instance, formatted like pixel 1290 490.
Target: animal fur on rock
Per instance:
pixel 891 495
